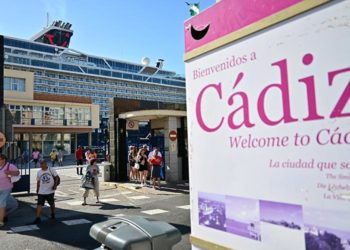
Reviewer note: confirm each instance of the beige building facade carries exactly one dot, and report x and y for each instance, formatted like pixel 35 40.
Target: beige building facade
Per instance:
pixel 46 121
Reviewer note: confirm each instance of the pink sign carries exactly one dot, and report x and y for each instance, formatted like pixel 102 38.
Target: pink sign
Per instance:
pixel 228 16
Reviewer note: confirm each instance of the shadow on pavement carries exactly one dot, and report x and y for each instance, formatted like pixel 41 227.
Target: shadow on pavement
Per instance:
pixel 183 228
pixel 166 188
pixel 55 231
pixel 108 206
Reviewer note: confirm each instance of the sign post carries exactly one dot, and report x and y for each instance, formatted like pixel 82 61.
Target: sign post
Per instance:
pixel 172 135
pixel 272 111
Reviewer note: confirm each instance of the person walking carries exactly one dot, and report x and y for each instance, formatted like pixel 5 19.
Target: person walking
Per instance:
pixel 60 157
pixel 91 155
pixel 86 154
pixel 54 157
pixel 143 170
pixel 47 179
pixel 155 158
pixel 6 170
pixel 80 158
pixel 35 156
pixel 93 170
pixel 25 156
pixel 132 156
pixel 149 166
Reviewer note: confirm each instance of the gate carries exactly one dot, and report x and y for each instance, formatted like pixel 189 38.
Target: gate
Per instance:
pixel 13 153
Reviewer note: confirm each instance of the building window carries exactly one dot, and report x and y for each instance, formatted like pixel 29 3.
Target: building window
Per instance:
pixel 14 84
pixel 78 116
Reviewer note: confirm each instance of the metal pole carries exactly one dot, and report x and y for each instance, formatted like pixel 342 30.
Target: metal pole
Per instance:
pixel 2 105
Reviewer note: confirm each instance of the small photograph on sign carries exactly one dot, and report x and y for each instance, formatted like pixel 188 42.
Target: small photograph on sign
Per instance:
pixel 212 211
pixel 326 229
pixel 243 217
pixel 282 214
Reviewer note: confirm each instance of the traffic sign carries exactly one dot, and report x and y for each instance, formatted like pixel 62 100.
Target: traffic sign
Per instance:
pixel 172 135
pixel 132 125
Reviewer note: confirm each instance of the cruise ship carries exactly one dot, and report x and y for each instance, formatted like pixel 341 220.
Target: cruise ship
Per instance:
pixel 59 69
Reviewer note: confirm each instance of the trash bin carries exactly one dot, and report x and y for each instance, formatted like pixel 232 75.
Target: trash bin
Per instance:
pixel 135 233
pixel 104 171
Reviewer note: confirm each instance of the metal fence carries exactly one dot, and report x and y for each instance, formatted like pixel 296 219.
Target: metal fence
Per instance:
pixel 13 152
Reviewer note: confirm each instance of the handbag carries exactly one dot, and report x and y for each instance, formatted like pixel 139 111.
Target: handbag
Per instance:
pixel 88 181
pixel 156 160
pixel 137 165
pixel 14 178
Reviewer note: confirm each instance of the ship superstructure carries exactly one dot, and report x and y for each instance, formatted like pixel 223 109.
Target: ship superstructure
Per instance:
pixel 59 69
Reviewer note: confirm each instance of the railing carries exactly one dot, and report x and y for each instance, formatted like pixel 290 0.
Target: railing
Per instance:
pixel 12 151
pixel 52 122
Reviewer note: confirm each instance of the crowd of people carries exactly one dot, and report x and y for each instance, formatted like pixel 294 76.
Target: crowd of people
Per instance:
pixel 47 181
pixel 55 156
pixel 142 162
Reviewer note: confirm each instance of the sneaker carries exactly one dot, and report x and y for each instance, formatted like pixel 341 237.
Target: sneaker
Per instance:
pixel 98 201
pixel 84 204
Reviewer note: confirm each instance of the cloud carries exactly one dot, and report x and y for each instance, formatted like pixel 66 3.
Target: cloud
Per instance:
pixel 57 9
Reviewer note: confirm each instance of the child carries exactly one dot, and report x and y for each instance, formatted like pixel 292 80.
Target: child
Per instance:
pixel 46 186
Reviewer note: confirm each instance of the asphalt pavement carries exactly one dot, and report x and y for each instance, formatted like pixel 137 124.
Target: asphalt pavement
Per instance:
pixel 73 221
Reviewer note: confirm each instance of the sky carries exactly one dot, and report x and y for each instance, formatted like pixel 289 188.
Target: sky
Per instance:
pixel 126 30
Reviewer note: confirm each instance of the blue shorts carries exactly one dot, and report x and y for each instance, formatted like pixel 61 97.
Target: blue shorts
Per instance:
pixel 4 194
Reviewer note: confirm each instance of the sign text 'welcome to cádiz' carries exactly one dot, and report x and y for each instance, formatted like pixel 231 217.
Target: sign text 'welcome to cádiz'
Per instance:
pixel 269 127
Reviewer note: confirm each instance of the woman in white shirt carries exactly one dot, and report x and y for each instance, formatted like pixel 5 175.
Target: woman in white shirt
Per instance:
pixel 93 170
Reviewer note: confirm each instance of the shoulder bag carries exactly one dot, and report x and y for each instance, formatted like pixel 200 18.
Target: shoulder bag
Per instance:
pixel 58 179
pixel 87 181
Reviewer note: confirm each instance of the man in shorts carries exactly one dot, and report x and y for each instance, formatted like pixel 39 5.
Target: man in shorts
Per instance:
pixel 79 157
pixel 46 186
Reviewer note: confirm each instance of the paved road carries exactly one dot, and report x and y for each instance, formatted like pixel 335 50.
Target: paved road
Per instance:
pixel 71 228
